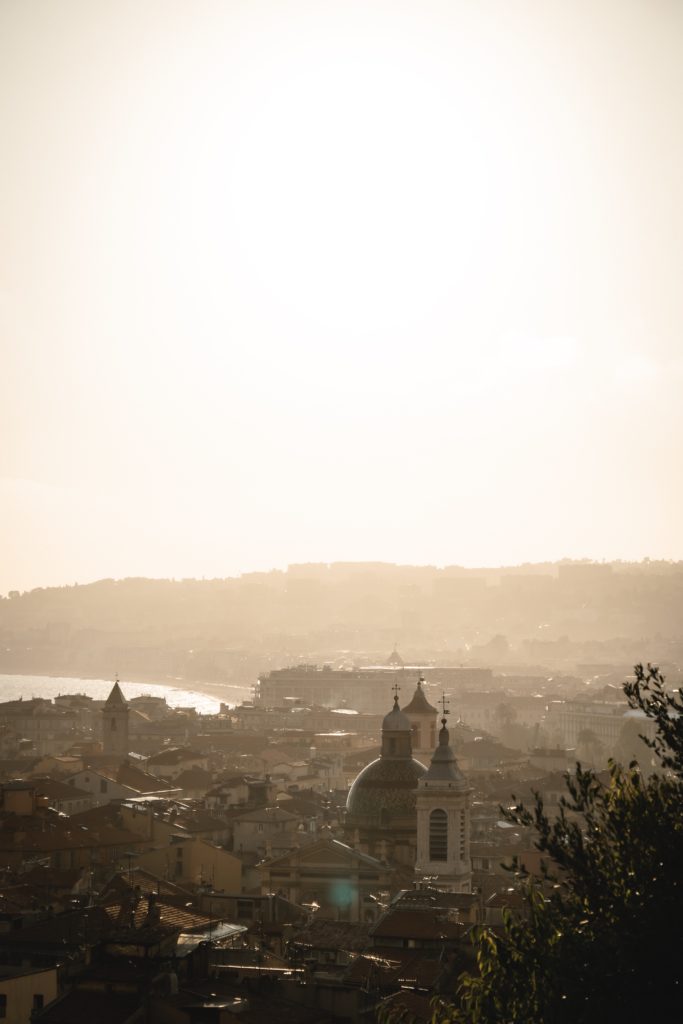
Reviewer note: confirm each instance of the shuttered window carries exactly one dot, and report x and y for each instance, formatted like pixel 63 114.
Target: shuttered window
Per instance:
pixel 438 835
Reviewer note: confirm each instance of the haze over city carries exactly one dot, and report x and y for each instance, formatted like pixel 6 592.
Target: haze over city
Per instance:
pixel 344 281
pixel 341 580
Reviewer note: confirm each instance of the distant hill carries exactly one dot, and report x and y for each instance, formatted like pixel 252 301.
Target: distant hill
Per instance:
pixel 230 629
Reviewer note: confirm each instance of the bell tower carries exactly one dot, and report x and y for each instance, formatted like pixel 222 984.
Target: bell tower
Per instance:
pixel 115 724
pixel 444 801
pixel 422 718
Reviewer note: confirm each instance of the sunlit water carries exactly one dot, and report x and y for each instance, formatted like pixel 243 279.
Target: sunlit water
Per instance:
pixel 16 687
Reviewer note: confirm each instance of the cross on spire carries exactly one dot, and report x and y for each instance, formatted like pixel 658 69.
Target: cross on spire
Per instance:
pixel 444 702
pixel 396 689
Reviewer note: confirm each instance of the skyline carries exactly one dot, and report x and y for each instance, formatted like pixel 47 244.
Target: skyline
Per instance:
pixel 338 282
pixel 541 569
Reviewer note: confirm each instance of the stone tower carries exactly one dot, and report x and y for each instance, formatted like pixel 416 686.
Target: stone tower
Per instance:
pixel 444 800
pixel 115 725
pixel 422 717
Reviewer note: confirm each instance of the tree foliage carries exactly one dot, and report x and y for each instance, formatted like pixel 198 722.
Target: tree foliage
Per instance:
pixel 602 938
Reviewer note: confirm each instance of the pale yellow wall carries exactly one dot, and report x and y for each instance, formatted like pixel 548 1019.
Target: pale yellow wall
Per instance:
pixel 21 990
pixel 214 865
pixel 198 861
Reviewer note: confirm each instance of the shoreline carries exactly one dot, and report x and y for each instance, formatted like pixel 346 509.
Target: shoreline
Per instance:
pixel 218 691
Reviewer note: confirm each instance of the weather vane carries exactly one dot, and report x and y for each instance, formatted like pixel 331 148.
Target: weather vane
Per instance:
pixel 444 705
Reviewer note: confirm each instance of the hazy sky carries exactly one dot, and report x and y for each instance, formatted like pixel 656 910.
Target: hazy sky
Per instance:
pixel 298 281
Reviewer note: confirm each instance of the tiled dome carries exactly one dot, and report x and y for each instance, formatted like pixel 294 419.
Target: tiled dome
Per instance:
pixel 384 789
pixel 396 721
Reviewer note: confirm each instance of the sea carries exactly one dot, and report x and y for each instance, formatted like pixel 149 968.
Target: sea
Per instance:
pixel 48 687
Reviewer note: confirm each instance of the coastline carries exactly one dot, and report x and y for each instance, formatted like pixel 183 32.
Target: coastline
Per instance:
pixel 217 693
pixel 211 689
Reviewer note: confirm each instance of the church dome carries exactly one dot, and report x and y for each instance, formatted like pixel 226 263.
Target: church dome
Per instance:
pixel 396 721
pixel 383 790
pixel 395 659
pixel 386 788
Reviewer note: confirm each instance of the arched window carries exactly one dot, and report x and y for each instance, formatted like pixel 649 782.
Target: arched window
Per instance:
pixel 438 835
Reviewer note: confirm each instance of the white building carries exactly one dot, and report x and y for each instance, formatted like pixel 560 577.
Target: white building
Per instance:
pixel 444 801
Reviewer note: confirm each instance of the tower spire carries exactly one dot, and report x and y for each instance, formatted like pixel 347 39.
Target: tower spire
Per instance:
pixel 115 723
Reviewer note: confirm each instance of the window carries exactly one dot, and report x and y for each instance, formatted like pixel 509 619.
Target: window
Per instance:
pixel 3 1005
pixel 438 835
pixel 113 725
pixel 38 1001
pixel 103 785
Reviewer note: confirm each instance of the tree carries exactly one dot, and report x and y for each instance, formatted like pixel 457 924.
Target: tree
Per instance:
pixel 602 940
pixel 629 746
